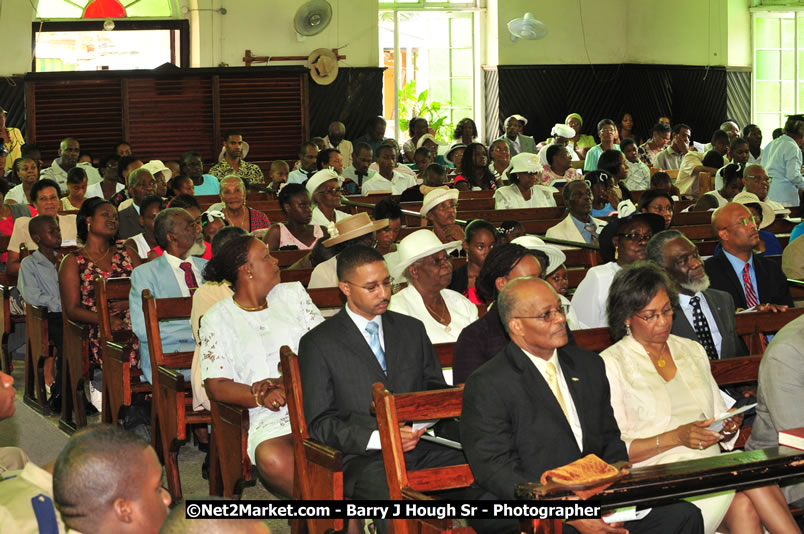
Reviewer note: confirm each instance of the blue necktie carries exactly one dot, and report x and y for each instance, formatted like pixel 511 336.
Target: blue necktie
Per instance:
pixel 373 330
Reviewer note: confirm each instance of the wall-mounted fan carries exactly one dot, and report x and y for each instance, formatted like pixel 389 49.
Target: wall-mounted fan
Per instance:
pixel 312 18
pixel 527 27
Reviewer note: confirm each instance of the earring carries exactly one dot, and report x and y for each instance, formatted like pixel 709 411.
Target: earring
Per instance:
pixel 616 253
pixel 250 276
pixel 627 329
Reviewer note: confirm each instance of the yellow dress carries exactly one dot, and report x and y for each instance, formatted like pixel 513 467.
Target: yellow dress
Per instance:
pixel 14 147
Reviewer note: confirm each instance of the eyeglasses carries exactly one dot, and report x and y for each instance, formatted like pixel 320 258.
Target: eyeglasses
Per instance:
pixel 761 179
pixel 331 191
pixel 447 205
pixel 637 237
pixel 443 260
pixel 745 221
pixel 652 317
pixel 550 316
pixel 372 288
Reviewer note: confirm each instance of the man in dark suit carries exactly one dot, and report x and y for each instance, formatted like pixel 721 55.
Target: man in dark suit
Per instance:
pixel 539 405
pixel 749 278
pixel 340 360
pixel 140 185
pixel 704 314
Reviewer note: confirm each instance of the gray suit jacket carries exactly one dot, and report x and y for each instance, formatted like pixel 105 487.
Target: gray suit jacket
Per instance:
pixel 722 307
pixel 526 142
pixel 129 223
pixel 781 394
pixel 338 369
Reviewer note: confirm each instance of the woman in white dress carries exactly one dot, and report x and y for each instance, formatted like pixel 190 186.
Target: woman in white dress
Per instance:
pixel 240 340
pixel 424 260
pixel 524 192
pixel 664 398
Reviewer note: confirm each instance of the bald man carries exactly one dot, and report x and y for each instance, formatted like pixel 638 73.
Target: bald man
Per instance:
pixel 751 279
pixel 69 149
pixel 336 138
pixel 178 523
pixel 565 394
pixel 109 480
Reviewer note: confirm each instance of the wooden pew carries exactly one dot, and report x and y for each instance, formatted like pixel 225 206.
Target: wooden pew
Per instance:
pixel 318 468
pixel 8 321
pixel 75 370
pixel 121 381
pixel 172 408
pixel 666 483
pixel 410 485
pixel 36 351
pixel 286 258
pixel 231 470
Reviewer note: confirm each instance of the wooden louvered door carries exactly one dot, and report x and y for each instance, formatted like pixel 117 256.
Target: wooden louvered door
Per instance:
pixel 269 110
pixel 88 109
pixel 167 116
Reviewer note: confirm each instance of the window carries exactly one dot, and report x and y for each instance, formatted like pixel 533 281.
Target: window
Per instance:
pixel 89 9
pixel 436 63
pixel 778 81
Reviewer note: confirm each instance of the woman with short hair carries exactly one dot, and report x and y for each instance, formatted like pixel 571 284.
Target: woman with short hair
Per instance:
pixel 296 233
pixel 233 195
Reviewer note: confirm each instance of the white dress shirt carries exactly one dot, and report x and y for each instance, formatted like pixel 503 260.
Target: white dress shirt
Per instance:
pixel 572 413
pixel 59 175
pixel 397 184
pixel 592 293
pixel 782 161
pixel 174 263
pixel 686 307
pixel 509 197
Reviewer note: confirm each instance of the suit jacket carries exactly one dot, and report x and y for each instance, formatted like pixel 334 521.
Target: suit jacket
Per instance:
pixel 177 335
pixel 338 370
pixel 512 426
pixel 722 307
pixel 567 230
pixel 771 281
pixel 526 142
pixel 129 223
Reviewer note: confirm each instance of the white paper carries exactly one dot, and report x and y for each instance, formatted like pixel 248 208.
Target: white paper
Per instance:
pixel 717 424
pixel 728 399
pixel 423 424
pixel 626 514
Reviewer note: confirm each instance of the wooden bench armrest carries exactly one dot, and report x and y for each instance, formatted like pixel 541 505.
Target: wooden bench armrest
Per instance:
pixel 172 380
pixel 414 495
pixel 327 457
pixel 117 352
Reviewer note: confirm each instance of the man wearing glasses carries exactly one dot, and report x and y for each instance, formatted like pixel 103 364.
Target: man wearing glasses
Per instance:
pixel 541 404
pixel 751 280
pixel 757 181
pixel 340 360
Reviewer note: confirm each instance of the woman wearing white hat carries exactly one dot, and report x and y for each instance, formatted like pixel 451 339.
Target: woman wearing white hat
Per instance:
pixel 524 192
pixel 440 207
pixel 325 192
pixel 561 136
pixel 424 260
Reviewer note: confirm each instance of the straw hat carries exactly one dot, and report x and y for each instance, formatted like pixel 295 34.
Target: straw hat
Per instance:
pixel 324 175
pixel 555 257
pixel 323 65
pixel 351 227
pixel 436 197
pixel 768 215
pixel 418 245
pixel 156 166
pixel 425 137
pixel 626 212
pixel 525 162
pixel 520 118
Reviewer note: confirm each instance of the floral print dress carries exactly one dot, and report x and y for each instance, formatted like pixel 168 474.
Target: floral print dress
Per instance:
pixel 87 271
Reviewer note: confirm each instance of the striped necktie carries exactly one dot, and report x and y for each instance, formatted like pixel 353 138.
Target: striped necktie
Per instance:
pixel 750 296
pixel 373 330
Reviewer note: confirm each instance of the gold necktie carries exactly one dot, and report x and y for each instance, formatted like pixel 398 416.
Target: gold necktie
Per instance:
pixel 552 381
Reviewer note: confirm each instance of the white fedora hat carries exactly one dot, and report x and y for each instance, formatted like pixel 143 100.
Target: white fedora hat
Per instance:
pixel 324 175
pixel 436 197
pixel 418 245
pixel 555 257
pixel 156 166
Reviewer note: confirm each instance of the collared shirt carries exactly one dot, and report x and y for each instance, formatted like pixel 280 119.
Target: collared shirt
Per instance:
pixel 738 265
pixel 686 307
pixel 26 502
pixel 587 234
pixel 782 161
pixel 515 144
pixel 590 163
pixel 668 159
pixel 755 161
pixel 250 173
pixel 299 176
pixel 175 263
pixel 20 235
pixel 350 174
pixel 572 413
pixel 59 175
pixel 344 148
pixel 95 190
pixel 210 185
pixel 38 282
pixel 397 184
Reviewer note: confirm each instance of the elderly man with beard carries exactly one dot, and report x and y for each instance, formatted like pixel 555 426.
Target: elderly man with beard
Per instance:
pixel 705 314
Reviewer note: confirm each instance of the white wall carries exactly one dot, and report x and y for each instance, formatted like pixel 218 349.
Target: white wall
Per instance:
pixel 564 44
pixel 739 35
pixel 266 28
pixel 15 36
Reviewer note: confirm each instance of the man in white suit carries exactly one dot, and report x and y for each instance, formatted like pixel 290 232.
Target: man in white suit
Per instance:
pixel 517 143
pixel 173 274
pixel 578 225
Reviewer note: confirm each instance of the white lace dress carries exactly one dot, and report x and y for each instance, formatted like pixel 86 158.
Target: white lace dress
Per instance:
pixel 244 346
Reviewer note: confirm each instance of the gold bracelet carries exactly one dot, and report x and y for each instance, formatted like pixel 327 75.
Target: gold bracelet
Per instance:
pixel 658 450
pixel 257 400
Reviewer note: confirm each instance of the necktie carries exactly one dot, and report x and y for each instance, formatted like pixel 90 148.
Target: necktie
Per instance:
pixel 593 230
pixel 701 326
pixel 552 381
pixel 750 296
pixel 189 276
pixel 373 330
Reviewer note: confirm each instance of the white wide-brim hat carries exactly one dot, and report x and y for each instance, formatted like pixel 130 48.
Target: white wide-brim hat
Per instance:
pixel 768 215
pixel 323 65
pixel 436 197
pixel 425 137
pixel 418 245
pixel 518 117
pixel 525 162
pixel 324 175
pixel 156 166
pixel 562 130
pixel 555 257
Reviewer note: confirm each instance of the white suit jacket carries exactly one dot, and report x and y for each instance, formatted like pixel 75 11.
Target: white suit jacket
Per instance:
pixel 567 230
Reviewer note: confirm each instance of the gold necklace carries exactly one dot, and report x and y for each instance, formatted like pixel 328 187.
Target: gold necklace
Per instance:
pixel 93 259
pixel 242 218
pixel 246 308
pixel 660 362
pixel 440 318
